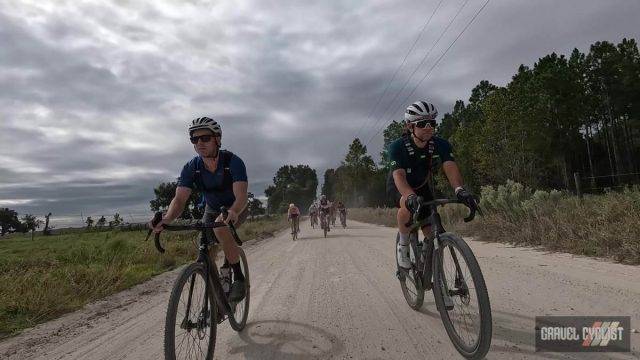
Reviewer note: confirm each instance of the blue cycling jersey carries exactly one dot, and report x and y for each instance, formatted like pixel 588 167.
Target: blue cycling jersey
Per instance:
pixel 215 195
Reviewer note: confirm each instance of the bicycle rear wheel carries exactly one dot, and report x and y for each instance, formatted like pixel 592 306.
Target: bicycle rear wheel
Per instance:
pixel 241 309
pixel 325 225
pixel 190 324
pixel 410 281
pixel 461 297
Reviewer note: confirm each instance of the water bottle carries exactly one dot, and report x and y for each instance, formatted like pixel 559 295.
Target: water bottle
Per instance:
pixel 225 278
pixel 420 253
pixel 412 256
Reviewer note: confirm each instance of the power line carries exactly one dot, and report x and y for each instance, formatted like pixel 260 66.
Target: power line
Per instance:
pixel 398 69
pixel 438 61
pixel 424 58
pixel 443 54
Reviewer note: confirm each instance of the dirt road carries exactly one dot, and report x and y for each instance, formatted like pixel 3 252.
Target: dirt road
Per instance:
pixel 338 298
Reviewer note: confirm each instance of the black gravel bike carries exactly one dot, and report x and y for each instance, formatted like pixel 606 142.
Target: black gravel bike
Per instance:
pixel 295 227
pixel 458 285
pixel 199 300
pixel 343 218
pixel 324 222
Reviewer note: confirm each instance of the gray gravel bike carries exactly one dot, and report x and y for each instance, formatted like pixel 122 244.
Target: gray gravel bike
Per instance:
pixel 199 300
pixel 445 263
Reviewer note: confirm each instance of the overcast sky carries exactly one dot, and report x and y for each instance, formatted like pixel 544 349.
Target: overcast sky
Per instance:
pixel 95 98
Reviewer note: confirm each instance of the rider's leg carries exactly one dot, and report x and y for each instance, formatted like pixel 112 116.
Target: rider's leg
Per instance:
pixel 229 246
pixel 232 254
pixel 403 216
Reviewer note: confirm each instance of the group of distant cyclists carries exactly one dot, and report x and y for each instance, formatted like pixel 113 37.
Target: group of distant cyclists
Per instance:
pixel 320 210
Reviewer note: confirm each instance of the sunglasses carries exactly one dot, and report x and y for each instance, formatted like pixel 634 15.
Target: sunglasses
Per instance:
pixel 204 138
pixel 424 123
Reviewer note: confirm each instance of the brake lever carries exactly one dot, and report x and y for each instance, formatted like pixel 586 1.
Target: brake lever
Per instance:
pixel 472 214
pixel 157 217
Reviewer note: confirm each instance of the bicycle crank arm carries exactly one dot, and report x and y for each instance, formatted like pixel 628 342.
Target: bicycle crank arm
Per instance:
pixel 448 302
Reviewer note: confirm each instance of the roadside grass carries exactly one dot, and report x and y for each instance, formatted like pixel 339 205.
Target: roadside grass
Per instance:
pixel 606 225
pixel 451 215
pixel 48 276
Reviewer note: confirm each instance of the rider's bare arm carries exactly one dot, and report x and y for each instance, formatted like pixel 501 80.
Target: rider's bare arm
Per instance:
pixel 240 192
pixel 178 203
pixel 452 171
pixel 400 178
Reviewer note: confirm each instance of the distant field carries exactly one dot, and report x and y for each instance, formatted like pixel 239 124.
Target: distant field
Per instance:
pixel 43 278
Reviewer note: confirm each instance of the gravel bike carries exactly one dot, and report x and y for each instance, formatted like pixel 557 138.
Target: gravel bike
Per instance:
pixel 295 227
pixel 343 218
pixel 199 300
pixel 445 263
pixel 324 222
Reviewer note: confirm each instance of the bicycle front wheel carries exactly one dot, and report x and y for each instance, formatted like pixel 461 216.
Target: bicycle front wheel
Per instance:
pixel 238 319
pixel 461 297
pixel 325 226
pixel 190 325
pixel 410 281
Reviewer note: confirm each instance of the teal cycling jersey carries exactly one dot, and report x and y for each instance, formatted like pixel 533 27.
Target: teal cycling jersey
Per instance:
pixel 405 154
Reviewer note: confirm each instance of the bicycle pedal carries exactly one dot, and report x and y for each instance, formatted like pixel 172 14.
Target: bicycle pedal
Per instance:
pixel 448 303
pixel 428 286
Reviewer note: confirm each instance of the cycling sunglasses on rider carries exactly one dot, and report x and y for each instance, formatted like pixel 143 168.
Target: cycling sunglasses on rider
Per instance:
pixel 423 123
pixel 204 138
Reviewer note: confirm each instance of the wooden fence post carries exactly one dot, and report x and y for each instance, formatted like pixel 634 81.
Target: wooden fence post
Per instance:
pixel 576 177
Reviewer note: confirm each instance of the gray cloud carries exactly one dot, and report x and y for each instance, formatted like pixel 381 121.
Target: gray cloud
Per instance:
pixel 95 98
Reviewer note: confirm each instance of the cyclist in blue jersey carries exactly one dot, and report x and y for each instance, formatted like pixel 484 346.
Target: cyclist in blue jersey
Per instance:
pixel 414 158
pixel 222 177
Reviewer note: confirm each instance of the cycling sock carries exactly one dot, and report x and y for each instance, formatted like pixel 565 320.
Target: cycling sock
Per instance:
pixel 404 239
pixel 237 272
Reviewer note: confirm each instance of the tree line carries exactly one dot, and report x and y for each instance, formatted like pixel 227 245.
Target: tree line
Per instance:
pixel 561 116
pixel 9 222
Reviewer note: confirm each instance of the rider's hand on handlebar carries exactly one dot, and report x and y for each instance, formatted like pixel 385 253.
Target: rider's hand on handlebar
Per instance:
pixel 467 198
pixel 232 217
pixel 412 203
pixel 157 229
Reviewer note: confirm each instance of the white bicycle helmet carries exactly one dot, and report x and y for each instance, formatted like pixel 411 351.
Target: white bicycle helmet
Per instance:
pixel 205 123
pixel 420 110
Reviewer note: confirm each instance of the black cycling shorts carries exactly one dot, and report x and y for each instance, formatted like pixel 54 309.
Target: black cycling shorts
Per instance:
pixel 393 195
pixel 210 216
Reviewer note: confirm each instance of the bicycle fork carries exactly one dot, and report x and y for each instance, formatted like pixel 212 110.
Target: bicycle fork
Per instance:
pixel 460 286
